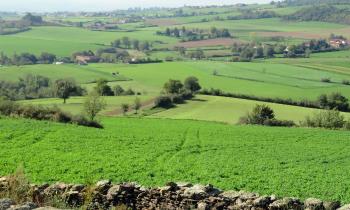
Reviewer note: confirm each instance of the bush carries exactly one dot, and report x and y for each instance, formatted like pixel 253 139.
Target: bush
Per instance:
pixel 346 82
pixel 118 90
pixel 330 119
pixel 83 121
pixel 12 109
pixel 177 99
pixel 279 123
pixel 334 101
pixel 264 115
pixel 327 80
pixel 163 102
pixel 259 115
pixel 129 92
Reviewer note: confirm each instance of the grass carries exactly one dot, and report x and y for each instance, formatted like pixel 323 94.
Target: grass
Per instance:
pixel 63 41
pixel 284 161
pixel 229 110
pixel 296 79
pixel 74 105
pixel 82 74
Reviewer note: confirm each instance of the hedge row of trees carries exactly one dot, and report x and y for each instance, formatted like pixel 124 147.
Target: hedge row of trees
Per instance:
pixel 196 34
pixel 250 51
pixel 264 115
pixel 27 59
pixel 326 13
pixel 128 43
pixel 11 108
pixel 332 101
pixel 103 89
pixel 36 86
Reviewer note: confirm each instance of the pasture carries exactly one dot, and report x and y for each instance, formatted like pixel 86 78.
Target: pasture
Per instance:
pixel 294 162
pixel 261 78
pixel 229 110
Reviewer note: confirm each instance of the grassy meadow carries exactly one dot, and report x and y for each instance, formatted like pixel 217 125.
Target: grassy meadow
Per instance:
pixel 296 80
pixel 229 110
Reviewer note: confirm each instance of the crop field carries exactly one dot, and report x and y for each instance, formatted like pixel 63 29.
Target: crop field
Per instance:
pixel 229 110
pixel 283 161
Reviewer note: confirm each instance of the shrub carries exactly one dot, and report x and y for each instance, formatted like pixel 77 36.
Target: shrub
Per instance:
pixel 334 101
pixel 7 107
pixel 163 102
pixel 177 99
pixel 10 108
pixel 118 90
pixel 264 115
pixel 279 123
pixel 346 82
pixel 259 115
pixel 330 119
pixel 327 80
pixel 129 92
pixel 83 121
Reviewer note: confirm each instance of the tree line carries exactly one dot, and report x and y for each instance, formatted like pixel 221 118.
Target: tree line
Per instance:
pixel 27 59
pixel 128 43
pixel 325 13
pixel 249 51
pixel 195 33
pixel 331 101
pixel 36 86
pixel 264 115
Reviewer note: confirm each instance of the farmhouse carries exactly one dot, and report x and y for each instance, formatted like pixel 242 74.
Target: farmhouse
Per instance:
pixel 86 59
pixel 338 43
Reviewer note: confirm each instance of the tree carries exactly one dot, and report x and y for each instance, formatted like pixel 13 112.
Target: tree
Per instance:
pixel 126 42
pixel 173 86
pixel 93 104
pixel 269 52
pixel 136 44
pixel 137 105
pixel 103 88
pixel 116 43
pixel 47 58
pixel 191 84
pixel 125 108
pixel 259 115
pixel 118 90
pixel 144 46
pixel 63 88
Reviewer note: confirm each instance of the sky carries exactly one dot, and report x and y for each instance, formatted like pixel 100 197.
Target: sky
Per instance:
pixel 104 5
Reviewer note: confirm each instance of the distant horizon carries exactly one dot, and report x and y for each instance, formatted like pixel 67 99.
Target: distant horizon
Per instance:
pixel 107 5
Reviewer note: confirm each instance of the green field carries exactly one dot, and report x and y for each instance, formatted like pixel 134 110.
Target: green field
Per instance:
pixel 63 41
pixel 296 80
pixel 74 105
pixel 229 110
pixel 283 161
